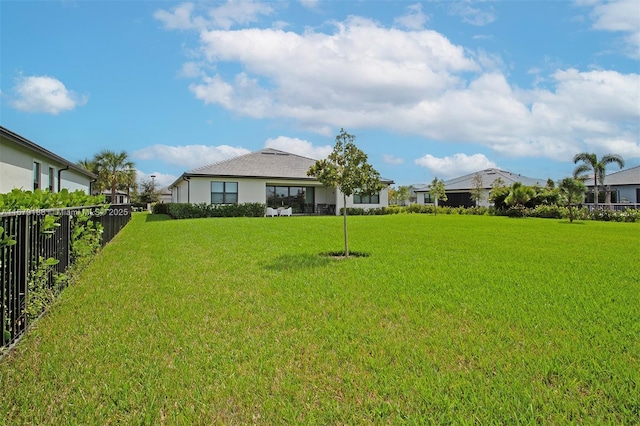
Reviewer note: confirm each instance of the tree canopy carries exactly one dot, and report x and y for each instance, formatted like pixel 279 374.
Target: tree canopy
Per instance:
pixel 347 169
pixel 438 190
pixel 590 163
pixel 114 170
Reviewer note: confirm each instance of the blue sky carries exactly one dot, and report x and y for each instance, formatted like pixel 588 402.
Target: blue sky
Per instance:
pixel 429 88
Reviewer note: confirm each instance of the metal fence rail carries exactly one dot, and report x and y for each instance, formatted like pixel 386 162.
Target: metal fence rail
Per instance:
pixel 34 242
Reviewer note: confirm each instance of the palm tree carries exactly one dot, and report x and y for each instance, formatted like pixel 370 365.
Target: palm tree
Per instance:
pixel 518 196
pixel 115 171
pixel 573 189
pixel 591 163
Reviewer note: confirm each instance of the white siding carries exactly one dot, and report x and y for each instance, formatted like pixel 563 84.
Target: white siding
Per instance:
pixel 16 170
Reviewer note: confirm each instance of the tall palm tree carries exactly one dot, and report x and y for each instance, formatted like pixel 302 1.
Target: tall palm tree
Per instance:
pixel 115 170
pixel 591 163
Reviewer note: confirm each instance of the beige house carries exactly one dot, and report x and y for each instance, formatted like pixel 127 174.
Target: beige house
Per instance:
pixel 275 178
pixel 28 166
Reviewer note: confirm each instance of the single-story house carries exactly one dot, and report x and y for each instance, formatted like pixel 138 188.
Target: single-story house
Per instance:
pixel 269 176
pixel 623 186
pixel 122 197
pixel 165 194
pixel 28 166
pixel 459 189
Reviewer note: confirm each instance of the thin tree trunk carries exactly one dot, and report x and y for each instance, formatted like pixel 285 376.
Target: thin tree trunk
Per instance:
pixel 346 238
pixel 595 192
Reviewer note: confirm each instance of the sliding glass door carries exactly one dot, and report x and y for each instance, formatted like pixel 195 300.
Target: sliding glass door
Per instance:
pixel 299 198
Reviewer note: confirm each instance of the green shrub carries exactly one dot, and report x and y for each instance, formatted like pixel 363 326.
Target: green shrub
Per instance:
pixel 191 211
pixel 160 208
pixel 549 211
pixel 629 215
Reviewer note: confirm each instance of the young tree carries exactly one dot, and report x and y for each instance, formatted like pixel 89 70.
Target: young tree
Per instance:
pixel 477 189
pixel 591 163
pixel 346 169
pixel 148 193
pixel 573 189
pixel 403 195
pixel 438 190
pixel 393 195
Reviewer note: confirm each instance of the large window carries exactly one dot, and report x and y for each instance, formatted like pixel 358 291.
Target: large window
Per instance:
pixel 299 198
pixel 366 199
pixel 224 192
pixel 36 175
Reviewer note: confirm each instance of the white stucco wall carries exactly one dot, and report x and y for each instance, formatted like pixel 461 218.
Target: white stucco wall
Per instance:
pixel 16 170
pixel 198 190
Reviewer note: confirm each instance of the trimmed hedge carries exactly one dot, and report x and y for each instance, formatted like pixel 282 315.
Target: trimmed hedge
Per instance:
pixel 192 211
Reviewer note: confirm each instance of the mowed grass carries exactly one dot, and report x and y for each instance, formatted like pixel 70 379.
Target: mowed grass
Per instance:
pixel 450 319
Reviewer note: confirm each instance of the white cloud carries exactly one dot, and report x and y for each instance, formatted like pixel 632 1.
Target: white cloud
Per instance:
pixel 458 164
pixel 363 75
pixel 472 15
pixel 44 94
pixel 414 19
pixel 620 16
pixel 180 18
pixel 310 4
pixel 226 15
pixel 161 179
pixel 299 147
pixel 189 156
pixel 390 159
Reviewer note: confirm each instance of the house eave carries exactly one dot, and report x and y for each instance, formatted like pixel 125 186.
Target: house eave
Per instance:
pixel 26 143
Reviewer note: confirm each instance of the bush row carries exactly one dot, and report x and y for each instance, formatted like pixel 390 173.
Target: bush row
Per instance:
pixel 192 211
pixel 186 211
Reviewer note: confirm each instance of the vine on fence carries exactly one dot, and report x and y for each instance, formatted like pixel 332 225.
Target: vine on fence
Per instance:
pixel 43 283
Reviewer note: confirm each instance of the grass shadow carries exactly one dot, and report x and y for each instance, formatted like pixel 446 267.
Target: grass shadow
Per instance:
pixel 575 222
pixel 288 262
pixel 157 218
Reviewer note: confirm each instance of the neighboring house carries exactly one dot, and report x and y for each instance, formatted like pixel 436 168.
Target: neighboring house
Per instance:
pixel 459 189
pixel 269 176
pixel 623 186
pixel 165 194
pixel 121 197
pixel 28 166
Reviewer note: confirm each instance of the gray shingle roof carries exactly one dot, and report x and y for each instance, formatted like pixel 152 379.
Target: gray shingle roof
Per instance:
pixel 267 163
pixel 624 177
pixel 488 177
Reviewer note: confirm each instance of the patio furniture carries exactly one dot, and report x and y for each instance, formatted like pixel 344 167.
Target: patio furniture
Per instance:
pixel 271 212
pixel 285 212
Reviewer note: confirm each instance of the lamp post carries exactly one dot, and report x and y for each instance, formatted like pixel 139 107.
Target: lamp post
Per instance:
pixel 153 181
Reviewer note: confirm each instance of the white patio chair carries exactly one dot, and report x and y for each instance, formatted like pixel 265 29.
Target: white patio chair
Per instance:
pixel 286 212
pixel 271 212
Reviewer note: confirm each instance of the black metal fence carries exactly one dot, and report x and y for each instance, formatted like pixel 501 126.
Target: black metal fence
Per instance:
pixel 36 239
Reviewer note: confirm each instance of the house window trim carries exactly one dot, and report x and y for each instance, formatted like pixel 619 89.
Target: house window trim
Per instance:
pixel 225 193
pixel 366 199
pixel 52 179
pixel 37 175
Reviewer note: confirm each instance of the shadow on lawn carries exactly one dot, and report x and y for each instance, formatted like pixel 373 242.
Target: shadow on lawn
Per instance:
pixel 157 218
pixel 288 262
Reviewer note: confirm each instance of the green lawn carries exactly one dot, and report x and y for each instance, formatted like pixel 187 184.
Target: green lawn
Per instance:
pixel 462 319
